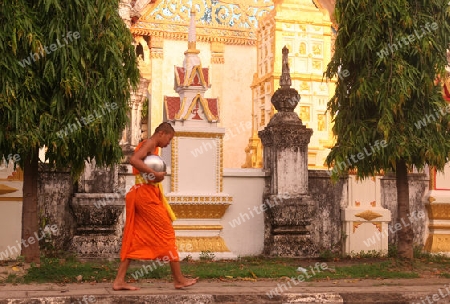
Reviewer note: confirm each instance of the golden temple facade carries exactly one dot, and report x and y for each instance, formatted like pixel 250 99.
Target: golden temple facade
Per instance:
pixel 305 29
pixel 240 42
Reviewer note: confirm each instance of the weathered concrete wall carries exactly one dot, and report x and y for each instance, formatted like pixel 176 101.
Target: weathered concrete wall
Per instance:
pixel 55 191
pixel 329 198
pixel 246 235
pixel 418 188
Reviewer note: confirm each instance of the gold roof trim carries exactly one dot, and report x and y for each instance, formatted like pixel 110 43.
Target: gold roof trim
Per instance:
pixel 175 31
pixel 197 69
pixel 204 103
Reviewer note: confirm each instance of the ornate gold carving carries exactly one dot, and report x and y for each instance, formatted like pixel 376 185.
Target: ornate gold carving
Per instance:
pixel 431 199
pixel 294 76
pixel 4 189
pixel 220 168
pixel 157 54
pixel 302 49
pixel 174 160
pixel 305 115
pixel 356 225
pixel 304 86
pixel 198 134
pixel 321 122
pixel 197 227
pixel 156 42
pixel 288 34
pixel 373 203
pixel 217 59
pixel 253 158
pixel 199 210
pixel 226 22
pixel 368 215
pixel 317 64
pixel 438 211
pixel 263 116
pixel 357 204
pixel 438 243
pixel 377 225
pixel 200 199
pixel 199 244
pixel 217 47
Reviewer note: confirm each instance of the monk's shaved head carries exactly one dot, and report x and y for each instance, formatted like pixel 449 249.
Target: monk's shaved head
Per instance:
pixel 165 127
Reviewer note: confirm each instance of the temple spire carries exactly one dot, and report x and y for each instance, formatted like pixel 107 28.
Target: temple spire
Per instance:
pixel 192 37
pixel 285 79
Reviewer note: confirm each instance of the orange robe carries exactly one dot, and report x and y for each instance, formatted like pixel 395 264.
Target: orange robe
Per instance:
pixel 148 232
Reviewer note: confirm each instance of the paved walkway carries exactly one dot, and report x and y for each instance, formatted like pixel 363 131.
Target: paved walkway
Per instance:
pixel 226 292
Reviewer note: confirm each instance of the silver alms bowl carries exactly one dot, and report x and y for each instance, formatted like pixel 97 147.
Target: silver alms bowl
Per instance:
pixel 156 163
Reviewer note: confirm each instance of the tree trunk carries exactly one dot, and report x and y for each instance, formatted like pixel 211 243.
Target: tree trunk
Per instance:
pixel 405 234
pixel 30 224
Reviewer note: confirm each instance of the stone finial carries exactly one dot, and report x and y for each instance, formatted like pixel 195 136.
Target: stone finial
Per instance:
pixel 285 79
pixel 192 37
pixel 285 99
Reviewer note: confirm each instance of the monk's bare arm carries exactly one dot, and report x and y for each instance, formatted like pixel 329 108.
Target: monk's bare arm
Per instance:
pixel 137 159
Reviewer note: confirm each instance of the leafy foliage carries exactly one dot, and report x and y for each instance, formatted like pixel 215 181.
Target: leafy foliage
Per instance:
pixel 395 56
pixel 66 82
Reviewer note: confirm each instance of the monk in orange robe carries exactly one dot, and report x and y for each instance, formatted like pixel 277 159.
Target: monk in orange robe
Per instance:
pixel 148 232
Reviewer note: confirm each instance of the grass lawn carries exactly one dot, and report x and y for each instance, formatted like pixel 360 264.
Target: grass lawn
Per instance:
pixel 70 270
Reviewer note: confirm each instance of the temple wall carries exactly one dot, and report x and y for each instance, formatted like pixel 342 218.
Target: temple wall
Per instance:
pixel 329 198
pixel 10 212
pixel 418 189
pixel 55 191
pixel 246 186
pixel 236 102
pixel 10 227
pixel 243 227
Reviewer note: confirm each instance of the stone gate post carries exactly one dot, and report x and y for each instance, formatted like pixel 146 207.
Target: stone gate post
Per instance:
pixel 288 207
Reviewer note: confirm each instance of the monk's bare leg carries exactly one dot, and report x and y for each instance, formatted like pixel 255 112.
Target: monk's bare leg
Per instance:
pixel 179 281
pixel 119 282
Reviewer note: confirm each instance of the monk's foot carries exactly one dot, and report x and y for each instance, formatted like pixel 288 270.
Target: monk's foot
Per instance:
pixel 124 286
pixel 185 283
